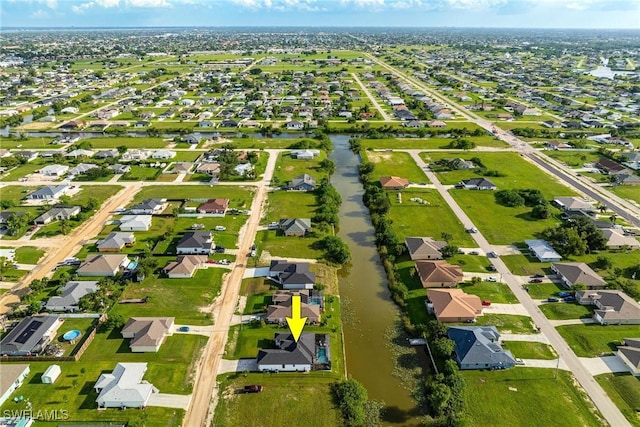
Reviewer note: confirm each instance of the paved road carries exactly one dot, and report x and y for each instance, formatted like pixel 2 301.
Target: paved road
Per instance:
pixel 204 398
pixel 606 406
pixel 375 103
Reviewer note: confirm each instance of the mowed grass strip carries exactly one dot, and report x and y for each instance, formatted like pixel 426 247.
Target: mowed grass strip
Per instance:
pixel 507 323
pixel 624 390
pixel 492 291
pixel 595 340
pixel 530 350
pixel 523 397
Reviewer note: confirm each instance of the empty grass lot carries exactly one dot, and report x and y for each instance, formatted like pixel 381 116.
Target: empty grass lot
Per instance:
pixel 507 323
pixel 525 266
pixel 140 173
pixel 129 142
pixel 544 290
pixel 624 390
pixel 239 197
pixel 564 310
pixel 517 397
pixel 428 143
pixel 26 143
pixel 495 292
pixel 28 255
pixel 574 159
pixel 180 298
pixel 288 168
pixel 257 291
pixel 530 350
pixel 21 170
pixel 628 192
pixel 285 204
pixel 596 340
pixel 394 164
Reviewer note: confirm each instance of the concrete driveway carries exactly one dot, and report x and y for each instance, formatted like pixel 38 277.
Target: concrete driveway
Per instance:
pixel 194 330
pixel 517 309
pixel 547 364
pixel 179 401
pixel 586 321
pixel 603 365
pixel 525 337
pixel 239 365
pixel 250 273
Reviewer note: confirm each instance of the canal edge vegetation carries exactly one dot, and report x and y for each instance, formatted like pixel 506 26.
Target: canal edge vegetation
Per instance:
pixel 445 388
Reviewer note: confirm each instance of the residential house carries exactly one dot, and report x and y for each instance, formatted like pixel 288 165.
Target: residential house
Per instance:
pixel 478 184
pixel 574 204
pixel 163 154
pixel 438 274
pixel 304 182
pixel 120 169
pixel 149 207
pixel 461 164
pixel 453 305
pixel 424 247
pixel 195 243
pixel 632 160
pixel 49 193
pixel 27 155
pixel 612 307
pixel 280 308
pixel 135 222
pixel 103 265
pixel 184 266
pixel 210 168
pixel 124 387
pixel 311 351
pixel 437 124
pixel 134 154
pixel 206 124
pixel 115 241
pixel 57 214
pixel 294 125
pixel 243 168
pixel 306 154
pixel 70 296
pixel 79 153
pixel 214 207
pixel 54 170
pixel 30 336
pixel 393 183
pixel 572 273
pixel 295 226
pixel 557 145
pixel 107 154
pixel 627 178
pixel 542 250
pixel 629 353
pixel 81 169
pixel 609 166
pixel 5 215
pixel 617 240
pixel 478 347
pixel 147 333
pixel 292 276
pixel 11 378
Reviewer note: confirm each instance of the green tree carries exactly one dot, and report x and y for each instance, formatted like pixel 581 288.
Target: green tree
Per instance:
pixel 449 251
pixel 336 250
pixel 351 397
pixel 443 347
pixel 438 395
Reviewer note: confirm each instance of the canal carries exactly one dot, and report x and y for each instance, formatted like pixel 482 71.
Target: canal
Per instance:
pixel 368 311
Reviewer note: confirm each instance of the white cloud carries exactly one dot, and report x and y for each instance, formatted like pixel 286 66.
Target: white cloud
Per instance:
pixel 40 13
pixel 80 8
pixel 107 3
pixel 249 4
pixel 147 3
pixel 362 4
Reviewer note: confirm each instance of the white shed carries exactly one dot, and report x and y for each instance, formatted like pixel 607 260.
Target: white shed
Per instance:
pixel 51 374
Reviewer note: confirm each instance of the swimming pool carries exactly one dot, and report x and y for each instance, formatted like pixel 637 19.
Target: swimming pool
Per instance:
pixel 132 265
pixel 71 335
pixel 322 355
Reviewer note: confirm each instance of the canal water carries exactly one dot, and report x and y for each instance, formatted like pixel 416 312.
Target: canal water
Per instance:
pixel 368 311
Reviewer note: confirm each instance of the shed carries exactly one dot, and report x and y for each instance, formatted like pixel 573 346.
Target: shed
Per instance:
pixel 51 374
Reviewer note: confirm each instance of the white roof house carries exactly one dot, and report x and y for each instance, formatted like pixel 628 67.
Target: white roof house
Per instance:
pixel 135 222
pixel 243 168
pixel 543 251
pixel 51 374
pixel 82 168
pixel 163 154
pixel 80 153
pixel 49 193
pixel 54 170
pixel 124 387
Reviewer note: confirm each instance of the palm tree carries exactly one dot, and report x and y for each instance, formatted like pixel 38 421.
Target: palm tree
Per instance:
pixel 613 218
pixel 602 208
pixel 64 226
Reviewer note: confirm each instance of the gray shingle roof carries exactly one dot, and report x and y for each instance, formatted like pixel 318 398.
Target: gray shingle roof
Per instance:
pixel 71 294
pixel 478 345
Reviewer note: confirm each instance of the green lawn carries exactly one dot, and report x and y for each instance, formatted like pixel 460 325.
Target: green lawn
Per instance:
pixel 627 191
pixel 129 142
pixel 28 255
pixel 574 159
pixel 289 246
pixel 530 350
pixel 395 164
pixel 492 291
pixel 287 204
pixel 288 399
pixel 523 265
pixel 562 311
pixel 288 168
pixel 257 292
pixel 26 143
pixel 21 170
pixel 139 173
pixel 423 220
pixel 428 143
pixel 508 323
pixel 180 298
pixel 544 290
pixel 524 397
pixel 624 390
pixel 239 197
pixel 596 340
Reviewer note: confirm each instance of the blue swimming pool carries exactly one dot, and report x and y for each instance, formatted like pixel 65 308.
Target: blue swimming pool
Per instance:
pixel 132 265
pixel 322 355
pixel 71 335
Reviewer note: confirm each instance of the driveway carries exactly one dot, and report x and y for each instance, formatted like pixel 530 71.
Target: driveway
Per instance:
pixel 517 309
pixel 239 365
pixel 603 365
pixel 194 330
pixel 179 401
pixel 547 364
pixel 250 273
pixel 586 321
pixel 525 337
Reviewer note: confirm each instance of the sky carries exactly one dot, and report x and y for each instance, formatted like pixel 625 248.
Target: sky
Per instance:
pixel 345 13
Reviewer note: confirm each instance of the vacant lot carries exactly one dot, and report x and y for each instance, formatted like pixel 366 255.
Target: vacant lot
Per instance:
pixel 574 159
pixel 596 340
pixel 624 390
pixel 128 142
pixel 564 310
pixel 524 265
pixel 288 168
pixel 395 164
pixel 544 290
pixel 516 397
pixel 239 197
pixel 508 323
pixel 628 192
pixel 428 143
pixel 492 291
pixel 530 350
pixel 28 255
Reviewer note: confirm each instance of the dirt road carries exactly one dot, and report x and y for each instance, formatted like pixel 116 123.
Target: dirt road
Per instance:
pixel 202 406
pixel 68 245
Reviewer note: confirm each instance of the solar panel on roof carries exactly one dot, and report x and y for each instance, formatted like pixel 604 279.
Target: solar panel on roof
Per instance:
pixel 29 330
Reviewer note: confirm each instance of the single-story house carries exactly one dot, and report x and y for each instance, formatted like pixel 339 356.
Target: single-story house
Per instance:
pixel 57 214
pixel 5 215
pixel 557 145
pixel 214 207
pixel 80 153
pixel 30 336
pixel 191 139
pixel 163 154
pixel 11 377
pixel 632 160
pixel 135 222
pixel 82 168
pixel 306 154
pixel 542 250
pixel 572 273
pixel 311 351
pixel 292 275
pixel 612 307
pixel 617 240
pixel 54 170
pixel 27 155
pixel 294 125
pixel 51 374
pixel 210 168
pixel 393 183
pixel 147 333
pixel 438 274
pixel 195 243
pixel 453 305
pixel 478 347
pixel 103 265
pixel 124 387
pixel 280 308
pixel 243 168
pixel 424 247
pixel 135 154
pixel 149 207
pixel 478 184
pixel 49 193
pixel 70 296
pixel 120 169
pixel 295 226
pixel 111 153
pixel 629 353
pixel 574 204
pixel 609 166
pixel 184 266
pixel 115 241
pixel 304 182
pixel 436 124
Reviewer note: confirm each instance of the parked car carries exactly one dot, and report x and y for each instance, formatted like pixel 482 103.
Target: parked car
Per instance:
pixel 220 228
pixel 273 225
pixel 552 299
pixel 564 294
pixel 472 230
pixel 219 249
pixel 491 279
pixel 197 226
pixel 474 253
pixel 486 303
pixel 492 254
pixel 519 361
pixel 252 388
pixel 491 267
pixel 212 261
pixel 535 281
pixel 183 329
pixel 570 298
pixel 538 276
